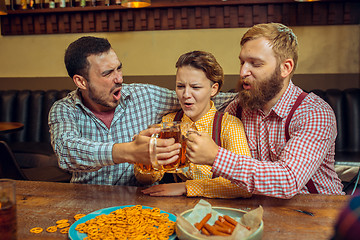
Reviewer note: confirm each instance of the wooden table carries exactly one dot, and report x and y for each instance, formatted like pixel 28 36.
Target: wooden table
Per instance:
pixel 9 127
pixel 41 204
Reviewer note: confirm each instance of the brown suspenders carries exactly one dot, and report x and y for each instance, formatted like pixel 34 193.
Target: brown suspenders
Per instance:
pixel 310 184
pixel 216 131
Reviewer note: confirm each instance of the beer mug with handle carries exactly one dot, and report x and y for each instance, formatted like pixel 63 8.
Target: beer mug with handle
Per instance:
pixel 167 130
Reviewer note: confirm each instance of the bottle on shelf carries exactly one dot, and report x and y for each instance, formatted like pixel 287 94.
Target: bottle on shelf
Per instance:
pixel 32 4
pixel 82 3
pixel 23 4
pixel 62 3
pixel 51 3
pixel 12 4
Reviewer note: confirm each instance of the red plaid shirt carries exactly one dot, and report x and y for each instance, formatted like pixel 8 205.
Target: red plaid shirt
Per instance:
pixel 279 168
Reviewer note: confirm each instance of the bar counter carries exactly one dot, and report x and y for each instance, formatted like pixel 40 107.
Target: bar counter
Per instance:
pixel 41 204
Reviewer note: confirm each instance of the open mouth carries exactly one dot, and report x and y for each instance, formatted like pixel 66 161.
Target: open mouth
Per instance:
pixel 117 94
pixel 188 105
pixel 246 85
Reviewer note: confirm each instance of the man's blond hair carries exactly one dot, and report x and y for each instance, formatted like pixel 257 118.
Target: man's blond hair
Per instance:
pixel 282 40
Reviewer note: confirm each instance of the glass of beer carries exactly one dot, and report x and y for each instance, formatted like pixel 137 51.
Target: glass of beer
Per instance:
pixel 168 130
pixel 184 161
pixel 148 169
pixel 146 174
pixel 8 223
pixel 186 128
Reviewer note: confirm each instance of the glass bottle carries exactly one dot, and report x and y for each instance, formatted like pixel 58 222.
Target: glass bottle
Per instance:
pixel 23 4
pixel 12 4
pixel 32 4
pixel 51 3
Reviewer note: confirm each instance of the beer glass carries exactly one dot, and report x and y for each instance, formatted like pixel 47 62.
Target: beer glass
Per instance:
pixel 146 174
pixel 168 130
pixel 148 169
pixel 8 223
pixel 183 160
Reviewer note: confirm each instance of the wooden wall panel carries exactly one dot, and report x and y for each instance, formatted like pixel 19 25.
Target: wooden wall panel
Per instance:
pixel 336 13
pixel 289 13
pixel 179 16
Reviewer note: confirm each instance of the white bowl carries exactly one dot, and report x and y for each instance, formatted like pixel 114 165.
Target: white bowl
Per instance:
pixel 182 234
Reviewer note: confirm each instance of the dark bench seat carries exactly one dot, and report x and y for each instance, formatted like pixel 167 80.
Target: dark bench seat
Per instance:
pixel 346 105
pixel 31 146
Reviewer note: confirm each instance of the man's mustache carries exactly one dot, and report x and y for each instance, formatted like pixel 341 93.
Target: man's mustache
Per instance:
pixel 117 85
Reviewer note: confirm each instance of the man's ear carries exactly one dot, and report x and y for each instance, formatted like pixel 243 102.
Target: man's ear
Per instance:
pixel 286 67
pixel 214 89
pixel 80 81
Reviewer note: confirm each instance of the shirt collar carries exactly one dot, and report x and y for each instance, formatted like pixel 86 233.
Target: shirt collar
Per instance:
pixel 284 104
pixel 76 95
pixel 203 123
pixel 125 96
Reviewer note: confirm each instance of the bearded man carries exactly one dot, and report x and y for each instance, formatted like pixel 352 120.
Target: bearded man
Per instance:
pixel 291 134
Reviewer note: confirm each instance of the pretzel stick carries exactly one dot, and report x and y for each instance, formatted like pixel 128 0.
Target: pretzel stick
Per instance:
pixel 200 225
pixel 204 231
pixel 223 226
pixel 213 231
pixel 230 220
pixel 223 230
pixel 222 220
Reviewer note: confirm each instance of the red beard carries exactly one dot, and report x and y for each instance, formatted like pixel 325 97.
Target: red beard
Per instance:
pixel 261 92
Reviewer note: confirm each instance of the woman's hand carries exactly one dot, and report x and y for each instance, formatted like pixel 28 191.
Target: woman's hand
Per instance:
pixel 201 149
pixel 170 189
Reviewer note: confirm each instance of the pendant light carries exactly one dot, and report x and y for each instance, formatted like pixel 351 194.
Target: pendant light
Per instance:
pixel 135 3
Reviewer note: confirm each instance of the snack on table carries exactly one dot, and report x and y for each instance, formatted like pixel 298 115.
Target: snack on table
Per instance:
pixel 78 216
pixel 62 221
pixel 224 223
pixel 129 223
pixel 203 221
pixel 224 226
pixel 65 230
pixel 62 224
pixel 51 229
pixel 36 230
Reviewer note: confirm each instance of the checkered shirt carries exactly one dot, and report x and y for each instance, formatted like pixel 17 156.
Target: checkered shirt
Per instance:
pixel 279 168
pixel 232 138
pixel 83 143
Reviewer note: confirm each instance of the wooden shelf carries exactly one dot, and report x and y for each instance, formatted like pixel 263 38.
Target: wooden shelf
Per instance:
pixel 172 14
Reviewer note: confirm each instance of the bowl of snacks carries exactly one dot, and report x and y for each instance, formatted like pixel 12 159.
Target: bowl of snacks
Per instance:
pixel 206 221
